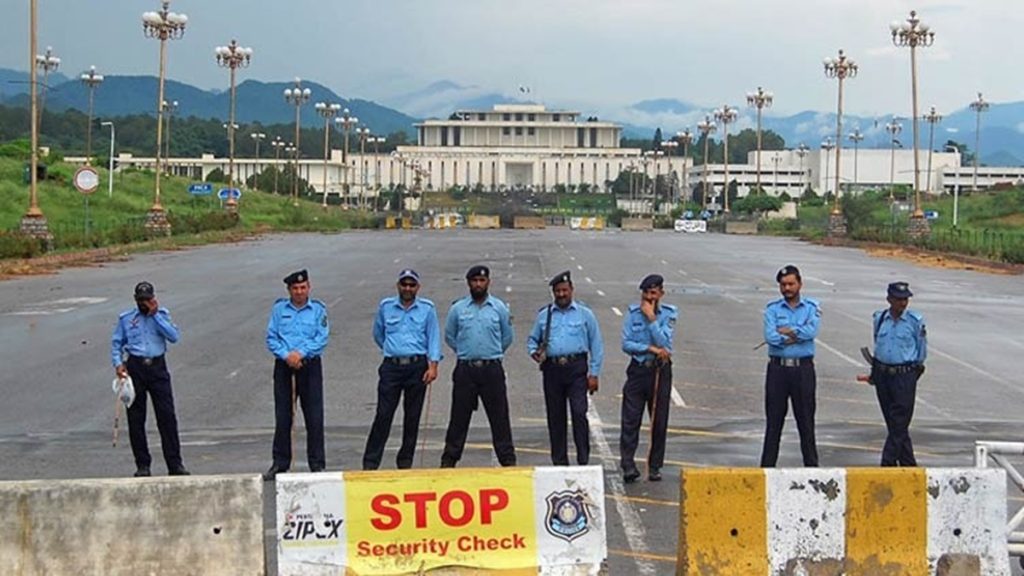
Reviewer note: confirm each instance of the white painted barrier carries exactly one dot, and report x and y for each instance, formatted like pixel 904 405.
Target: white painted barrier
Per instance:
pixel 547 519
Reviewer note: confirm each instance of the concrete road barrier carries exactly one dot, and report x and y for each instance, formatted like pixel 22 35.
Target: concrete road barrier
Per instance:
pixel 132 527
pixel 484 222
pixel 528 222
pixel 738 227
pixel 911 521
pixel 637 224
pixel 586 223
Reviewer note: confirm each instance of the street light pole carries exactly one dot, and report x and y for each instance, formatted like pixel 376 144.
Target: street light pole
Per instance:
pixel 364 133
pixel 913 33
pixel 667 147
pixel 91 80
pixel 232 57
pixel 33 223
pixel 326 111
pixel 932 117
pixel 169 108
pixel 828 145
pixel 801 151
pixel 706 127
pixel 297 96
pixel 110 162
pixel 726 115
pixel 47 62
pixel 956 188
pixel 893 128
pixel 856 137
pixel 162 25
pixel 840 68
pixel 759 100
pixel 277 143
pixel 257 137
pixel 979 106
pixel 346 122
pixel 685 137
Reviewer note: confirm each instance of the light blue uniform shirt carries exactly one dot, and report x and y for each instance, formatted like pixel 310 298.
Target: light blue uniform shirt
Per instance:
pixel 142 335
pixel 900 341
pixel 412 331
pixel 803 319
pixel 305 329
pixel 478 332
pixel 574 330
pixel 638 334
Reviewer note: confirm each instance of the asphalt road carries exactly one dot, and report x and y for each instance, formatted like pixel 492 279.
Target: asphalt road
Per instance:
pixel 57 410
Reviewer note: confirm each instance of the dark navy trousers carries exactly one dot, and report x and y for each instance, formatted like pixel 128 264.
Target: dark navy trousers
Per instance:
pixel 561 384
pixel 786 385
pixel 896 395
pixel 153 380
pixel 396 382
pixel 471 386
pixel 309 395
pixel 637 394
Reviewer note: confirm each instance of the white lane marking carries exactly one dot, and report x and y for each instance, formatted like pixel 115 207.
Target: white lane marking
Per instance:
pixel 972 367
pixel 335 301
pixel 41 312
pixel 573 258
pixel 1015 343
pixel 826 346
pixel 578 267
pixel 617 311
pixel 508 288
pixel 397 260
pixel 825 282
pixel 677 398
pixel 733 298
pixel 233 374
pixel 600 293
pixel 73 301
pixel 589 281
pixel 663 263
pixel 683 272
pixel 632 524
pixel 511 264
pixel 508 276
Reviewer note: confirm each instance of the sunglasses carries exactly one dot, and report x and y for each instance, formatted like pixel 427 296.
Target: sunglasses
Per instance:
pixel 408 284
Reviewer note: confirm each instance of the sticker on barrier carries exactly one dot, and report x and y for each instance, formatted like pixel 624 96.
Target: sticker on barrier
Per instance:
pixel 586 223
pixel 413 521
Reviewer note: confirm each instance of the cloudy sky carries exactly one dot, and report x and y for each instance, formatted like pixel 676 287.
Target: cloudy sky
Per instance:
pixel 586 53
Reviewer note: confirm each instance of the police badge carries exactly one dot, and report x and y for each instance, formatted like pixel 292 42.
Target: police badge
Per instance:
pixel 567 516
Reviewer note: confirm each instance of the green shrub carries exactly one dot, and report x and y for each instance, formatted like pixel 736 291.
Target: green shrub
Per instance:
pixel 18 245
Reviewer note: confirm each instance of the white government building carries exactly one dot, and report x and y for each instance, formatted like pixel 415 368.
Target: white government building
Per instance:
pixel 529 146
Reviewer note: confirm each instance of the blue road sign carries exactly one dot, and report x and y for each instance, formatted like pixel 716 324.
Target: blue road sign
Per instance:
pixel 931 214
pixel 226 193
pixel 200 189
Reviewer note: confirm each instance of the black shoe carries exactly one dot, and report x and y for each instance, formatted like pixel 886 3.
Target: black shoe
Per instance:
pixel 274 470
pixel 317 469
pixel 179 471
pixel 654 475
pixel 631 476
pixel 447 464
pixel 143 472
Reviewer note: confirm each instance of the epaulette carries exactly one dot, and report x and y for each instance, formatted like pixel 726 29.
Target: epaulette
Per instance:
pixel 915 315
pixel 426 302
pixel 670 307
pixel 811 301
pixel 319 302
pixel 127 312
pixel 634 307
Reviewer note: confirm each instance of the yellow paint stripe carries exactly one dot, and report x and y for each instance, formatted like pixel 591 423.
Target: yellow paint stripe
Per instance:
pixel 643 556
pixel 722 525
pixel 887 521
pixel 639 500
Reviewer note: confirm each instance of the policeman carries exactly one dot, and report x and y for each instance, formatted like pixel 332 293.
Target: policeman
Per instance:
pixel 790 327
pixel 137 349
pixel 901 346
pixel 566 343
pixel 647 332
pixel 407 332
pixel 479 329
pixel 297 334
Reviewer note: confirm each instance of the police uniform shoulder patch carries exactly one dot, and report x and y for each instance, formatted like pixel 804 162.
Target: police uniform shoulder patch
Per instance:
pixel 568 517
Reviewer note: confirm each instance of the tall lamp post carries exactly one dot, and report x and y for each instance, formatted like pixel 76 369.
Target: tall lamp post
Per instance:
pixel 163 25
pixel 47 62
pixel 169 108
pixel 278 145
pixel 856 137
pixel 257 137
pixel 932 118
pixel 346 122
pixel 913 33
pixel 979 106
pixel 759 100
pixel 291 153
pixel 726 115
pixel 685 137
pixel 893 128
pixel 801 152
pixel 110 162
pixel 297 96
pixel 376 141
pixel 232 57
pixel 827 145
pixel 706 127
pixel 364 134
pixel 91 80
pixel 33 223
pixel 327 111
pixel 840 68
pixel 667 146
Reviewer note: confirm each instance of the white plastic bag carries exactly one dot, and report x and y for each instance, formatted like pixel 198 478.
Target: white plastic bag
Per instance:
pixel 124 390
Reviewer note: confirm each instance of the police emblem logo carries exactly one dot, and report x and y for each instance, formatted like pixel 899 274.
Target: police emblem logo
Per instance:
pixel 567 517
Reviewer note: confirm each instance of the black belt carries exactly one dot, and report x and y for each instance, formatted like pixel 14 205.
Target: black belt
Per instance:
pixel 898 368
pixel 479 363
pixel 566 360
pixel 147 361
pixel 405 360
pixel 791 362
pixel 649 363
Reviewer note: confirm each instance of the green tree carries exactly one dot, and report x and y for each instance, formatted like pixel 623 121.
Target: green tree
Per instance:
pixel 757 204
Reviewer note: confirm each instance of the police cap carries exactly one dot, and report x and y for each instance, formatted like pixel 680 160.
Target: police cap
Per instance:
pixel 478 270
pixel 296 277
pixel 144 291
pixel 410 274
pixel 787 270
pixel 562 277
pixel 900 290
pixel 652 281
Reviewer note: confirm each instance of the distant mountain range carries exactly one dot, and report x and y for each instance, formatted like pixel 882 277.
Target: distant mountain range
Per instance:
pixel 1002 126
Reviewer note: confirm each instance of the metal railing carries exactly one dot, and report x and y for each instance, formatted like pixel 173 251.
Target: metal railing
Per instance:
pixel 998 451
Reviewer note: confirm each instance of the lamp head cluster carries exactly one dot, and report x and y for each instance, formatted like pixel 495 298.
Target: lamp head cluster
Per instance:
pixel 726 115
pixel 894 127
pixel 164 24
pixel 297 95
pixel 169 107
pixel 856 136
pixel 684 137
pixel 327 109
pixel 90 78
pixel 840 67
pixel 707 126
pixel 911 32
pixel 233 55
pixel 760 99
pixel 802 150
pixel 828 144
pixel 933 116
pixel 48 61
pixel 979 105
pixel 346 121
